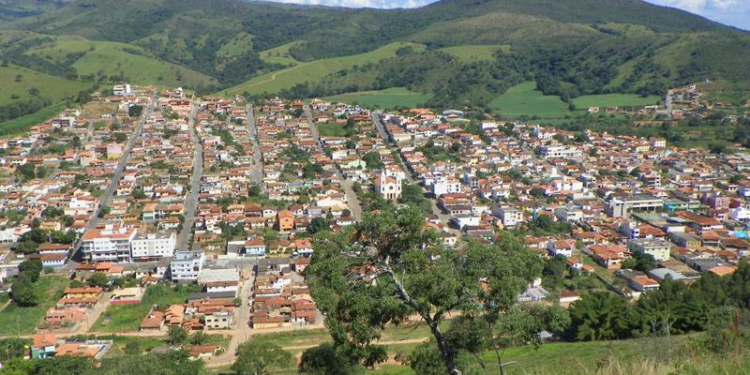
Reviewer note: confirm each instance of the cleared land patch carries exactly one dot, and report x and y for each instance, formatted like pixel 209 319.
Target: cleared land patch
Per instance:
pixel 524 99
pixel 312 71
pixel 387 99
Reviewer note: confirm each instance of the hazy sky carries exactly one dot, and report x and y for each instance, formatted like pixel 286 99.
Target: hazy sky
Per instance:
pixel 730 12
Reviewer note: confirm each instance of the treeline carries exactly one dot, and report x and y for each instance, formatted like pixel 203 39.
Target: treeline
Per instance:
pixel 711 303
pixel 172 363
pixel 22 108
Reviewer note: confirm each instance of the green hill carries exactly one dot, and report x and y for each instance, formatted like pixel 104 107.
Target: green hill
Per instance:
pixel 19 82
pixel 463 52
pixel 118 59
pixel 314 70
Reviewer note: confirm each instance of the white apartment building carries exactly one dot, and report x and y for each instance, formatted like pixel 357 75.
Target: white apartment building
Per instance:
pixel 510 216
pixel 559 151
pixel 187 265
pixel 568 214
pixel 153 245
pixel 621 207
pixel 658 248
pixel 108 244
pixel 445 185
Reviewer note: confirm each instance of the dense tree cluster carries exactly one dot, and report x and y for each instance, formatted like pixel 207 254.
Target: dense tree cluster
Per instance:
pixel 675 308
pixel 390 267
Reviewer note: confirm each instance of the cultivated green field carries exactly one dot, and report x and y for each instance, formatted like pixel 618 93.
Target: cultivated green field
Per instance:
pixel 330 129
pixel 54 88
pixel 128 317
pixel 15 319
pixel 608 100
pixel 387 99
pixel 471 53
pixel 113 58
pixel 524 99
pixel 279 55
pixel 312 71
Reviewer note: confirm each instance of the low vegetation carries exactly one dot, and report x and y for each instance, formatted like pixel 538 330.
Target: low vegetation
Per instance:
pixel 120 318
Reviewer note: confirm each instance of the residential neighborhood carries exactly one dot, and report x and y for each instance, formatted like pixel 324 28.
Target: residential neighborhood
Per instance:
pixel 160 211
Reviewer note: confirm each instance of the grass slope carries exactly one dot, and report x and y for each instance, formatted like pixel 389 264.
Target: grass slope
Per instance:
pixel 524 99
pixel 623 100
pixel 49 86
pixel 128 317
pixel 23 123
pixel 312 71
pixel 472 53
pixel 280 55
pixel 388 98
pixel 15 319
pixel 113 58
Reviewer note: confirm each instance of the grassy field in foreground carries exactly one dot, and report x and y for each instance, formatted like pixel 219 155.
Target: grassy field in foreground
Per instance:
pixel 608 100
pixel 472 53
pixel 387 99
pixel 312 71
pixel 23 123
pixel 15 319
pixel 524 99
pixel 128 317
pixel 551 358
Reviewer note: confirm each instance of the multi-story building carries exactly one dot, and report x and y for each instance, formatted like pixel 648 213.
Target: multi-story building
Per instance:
pixel 108 244
pixel 559 151
pixel 153 245
pixel 621 207
pixel 658 248
pixel 510 216
pixel 445 185
pixel 187 265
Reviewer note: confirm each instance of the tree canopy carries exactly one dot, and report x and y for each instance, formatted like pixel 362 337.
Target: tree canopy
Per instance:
pixel 389 267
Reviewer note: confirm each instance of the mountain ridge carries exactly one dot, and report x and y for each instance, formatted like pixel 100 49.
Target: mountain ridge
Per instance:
pixel 569 47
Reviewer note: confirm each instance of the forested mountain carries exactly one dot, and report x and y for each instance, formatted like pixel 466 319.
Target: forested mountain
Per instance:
pixel 569 47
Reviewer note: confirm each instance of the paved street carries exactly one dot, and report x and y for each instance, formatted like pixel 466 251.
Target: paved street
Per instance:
pixel 354 206
pixel 256 173
pixel 191 201
pixel 241 331
pixel 116 176
pixel 444 218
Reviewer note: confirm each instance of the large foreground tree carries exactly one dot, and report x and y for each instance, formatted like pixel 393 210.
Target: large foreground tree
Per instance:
pixel 390 267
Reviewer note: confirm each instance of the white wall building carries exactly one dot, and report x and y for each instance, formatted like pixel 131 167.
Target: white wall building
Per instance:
pixel 187 265
pixel 388 186
pixel 153 245
pixel 108 244
pixel 510 216
pixel 445 185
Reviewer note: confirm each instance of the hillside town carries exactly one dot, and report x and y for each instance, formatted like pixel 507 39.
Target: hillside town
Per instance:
pixel 155 211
